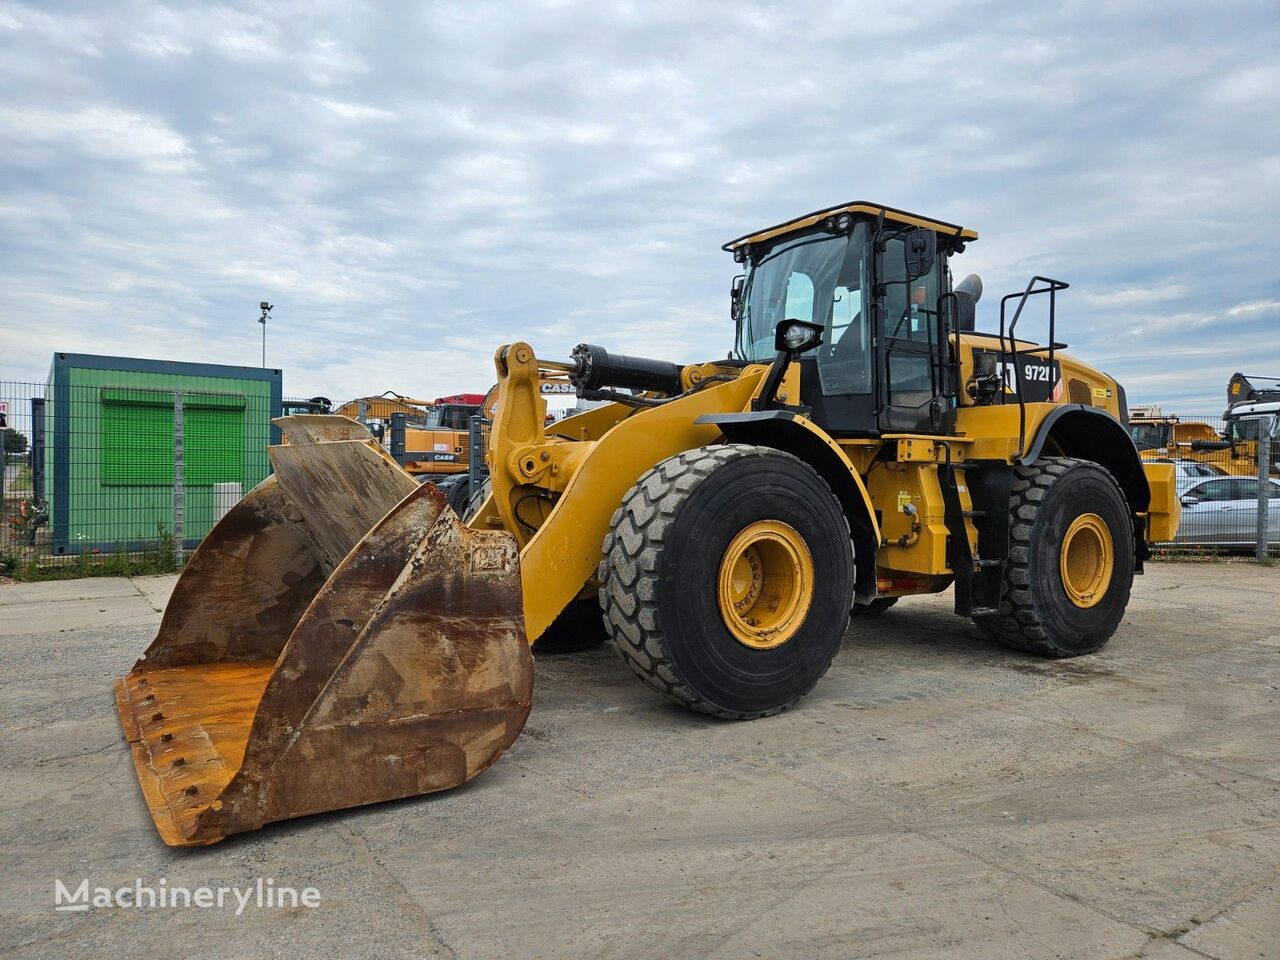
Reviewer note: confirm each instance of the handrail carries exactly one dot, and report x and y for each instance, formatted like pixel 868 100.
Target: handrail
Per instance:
pixel 1051 287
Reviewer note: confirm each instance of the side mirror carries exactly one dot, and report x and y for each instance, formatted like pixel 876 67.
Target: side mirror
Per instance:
pixel 796 336
pixel 921 248
pixel 1189 500
pixel 735 296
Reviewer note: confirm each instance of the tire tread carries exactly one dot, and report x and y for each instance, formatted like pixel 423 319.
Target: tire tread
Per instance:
pixel 1017 624
pixel 628 572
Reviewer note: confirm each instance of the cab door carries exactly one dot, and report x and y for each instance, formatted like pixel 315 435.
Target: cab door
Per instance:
pixel 912 393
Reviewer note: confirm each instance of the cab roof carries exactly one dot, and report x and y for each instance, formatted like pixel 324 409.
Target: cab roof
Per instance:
pixel 856 207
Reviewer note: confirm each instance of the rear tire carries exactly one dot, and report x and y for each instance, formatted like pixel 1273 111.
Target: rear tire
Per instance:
pixel 670 570
pixel 1056 606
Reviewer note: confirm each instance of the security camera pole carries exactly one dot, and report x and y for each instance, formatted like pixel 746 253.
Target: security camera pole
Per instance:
pixel 266 313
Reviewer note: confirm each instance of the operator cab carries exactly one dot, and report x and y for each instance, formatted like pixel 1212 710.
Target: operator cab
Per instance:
pixel 873 278
pixel 1151 434
pixel 451 416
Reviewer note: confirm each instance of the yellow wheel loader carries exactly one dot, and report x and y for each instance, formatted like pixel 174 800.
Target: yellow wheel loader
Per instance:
pixel 343 637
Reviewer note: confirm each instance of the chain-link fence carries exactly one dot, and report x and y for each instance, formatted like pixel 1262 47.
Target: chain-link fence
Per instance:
pixel 110 470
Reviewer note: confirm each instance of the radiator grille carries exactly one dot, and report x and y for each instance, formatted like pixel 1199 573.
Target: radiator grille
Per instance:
pixel 1078 391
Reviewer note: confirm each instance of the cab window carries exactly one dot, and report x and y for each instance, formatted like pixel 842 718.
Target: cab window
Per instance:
pixel 799 302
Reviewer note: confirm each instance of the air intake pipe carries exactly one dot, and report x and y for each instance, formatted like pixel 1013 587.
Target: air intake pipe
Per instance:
pixel 594 368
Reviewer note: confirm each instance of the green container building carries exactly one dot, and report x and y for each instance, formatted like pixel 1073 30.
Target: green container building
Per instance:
pixel 111 451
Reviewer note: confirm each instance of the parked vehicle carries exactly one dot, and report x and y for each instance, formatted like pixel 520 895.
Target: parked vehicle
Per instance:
pixel 1223 511
pixel 1191 472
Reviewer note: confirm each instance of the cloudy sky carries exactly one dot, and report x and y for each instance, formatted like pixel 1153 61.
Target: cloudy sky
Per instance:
pixel 412 185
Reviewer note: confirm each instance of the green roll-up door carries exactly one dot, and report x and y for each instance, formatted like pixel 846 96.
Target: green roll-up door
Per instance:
pixel 214 444
pixel 137 437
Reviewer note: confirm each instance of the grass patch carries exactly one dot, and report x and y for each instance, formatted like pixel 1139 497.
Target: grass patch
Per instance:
pixel 155 557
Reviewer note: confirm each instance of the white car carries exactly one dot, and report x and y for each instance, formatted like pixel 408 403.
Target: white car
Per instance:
pixel 1223 511
pixel 1189 472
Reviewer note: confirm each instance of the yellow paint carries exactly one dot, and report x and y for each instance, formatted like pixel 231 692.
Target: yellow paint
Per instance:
pixel 870 209
pixel 765 585
pixel 1079 382
pixel 563 554
pixel 428 441
pixel 1165 511
pixel 843 457
pixel 917 449
pixel 1086 560
pixel 519 423
pixel 567 487
pixel 891 486
pixel 381 408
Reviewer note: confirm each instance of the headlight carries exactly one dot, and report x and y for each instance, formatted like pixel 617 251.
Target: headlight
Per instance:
pixel 796 336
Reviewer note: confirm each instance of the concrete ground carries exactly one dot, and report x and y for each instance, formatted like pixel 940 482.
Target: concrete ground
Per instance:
pixel 936 796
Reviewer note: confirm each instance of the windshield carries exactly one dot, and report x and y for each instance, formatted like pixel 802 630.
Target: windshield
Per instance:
pixel 450 416
pixel 1246 428
pixel 1149 436
pixel 814 277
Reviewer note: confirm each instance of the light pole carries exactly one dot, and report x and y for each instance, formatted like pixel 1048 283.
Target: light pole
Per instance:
pixel 266 313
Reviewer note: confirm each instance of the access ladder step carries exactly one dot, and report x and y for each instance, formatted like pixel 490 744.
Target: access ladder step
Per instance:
pixel 975 514
pixel 984 612
pixel 980 562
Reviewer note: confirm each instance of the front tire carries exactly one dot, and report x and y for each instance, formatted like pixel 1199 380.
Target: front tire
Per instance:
pixel 727 579
pixel 1071 560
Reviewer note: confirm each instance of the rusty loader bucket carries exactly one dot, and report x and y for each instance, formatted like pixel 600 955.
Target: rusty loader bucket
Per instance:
pixel 339 638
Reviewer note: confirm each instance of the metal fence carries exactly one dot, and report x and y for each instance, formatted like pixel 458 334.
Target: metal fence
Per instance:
pixel 1226 509
pixel 108 474
pixel 478 446
pixel 125 472
pixel 1228 480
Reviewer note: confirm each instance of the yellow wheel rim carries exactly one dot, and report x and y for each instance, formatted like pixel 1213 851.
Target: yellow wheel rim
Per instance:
pixel 1087 560
pixel 765 587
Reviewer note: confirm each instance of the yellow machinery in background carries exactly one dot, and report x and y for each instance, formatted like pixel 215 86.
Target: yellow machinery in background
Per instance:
pixel 343 637
pixel 1165 436
pixel 1253 404
pixel 429 438
pixel 1250 402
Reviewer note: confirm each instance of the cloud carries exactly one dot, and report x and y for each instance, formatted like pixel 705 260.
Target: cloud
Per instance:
pixel 412 191
pixel 1254 307
pixel 95 133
